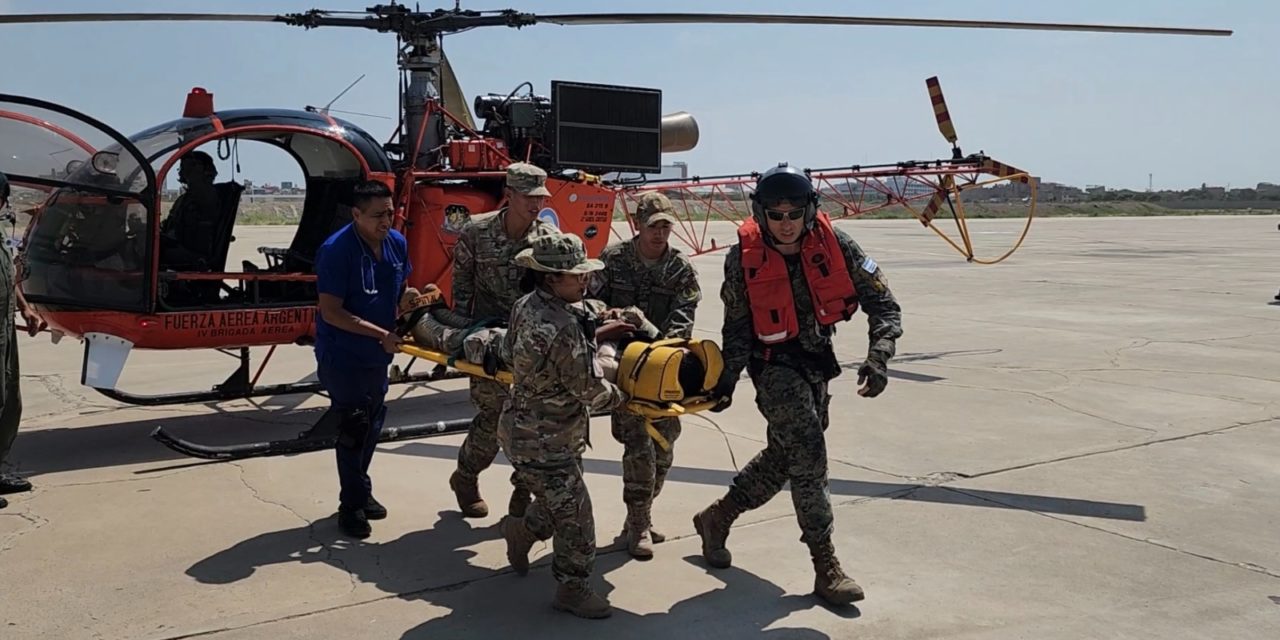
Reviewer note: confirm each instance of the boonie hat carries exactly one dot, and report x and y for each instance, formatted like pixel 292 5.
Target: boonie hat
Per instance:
pixel 558 253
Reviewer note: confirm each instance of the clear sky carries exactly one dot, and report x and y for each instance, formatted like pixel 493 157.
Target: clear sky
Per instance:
pixel 1070 107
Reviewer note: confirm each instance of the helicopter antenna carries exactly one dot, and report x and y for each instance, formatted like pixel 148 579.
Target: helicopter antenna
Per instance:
pixel 325 109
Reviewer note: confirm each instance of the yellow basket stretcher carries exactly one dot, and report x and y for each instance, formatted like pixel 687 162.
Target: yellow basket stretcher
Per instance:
pixel 648 409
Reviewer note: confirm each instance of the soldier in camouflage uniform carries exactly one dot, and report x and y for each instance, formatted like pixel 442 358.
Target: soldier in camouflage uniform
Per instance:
pixel 486 283
pixel 779 326
pixel 11 299
pixel 648 273
pixel 545 423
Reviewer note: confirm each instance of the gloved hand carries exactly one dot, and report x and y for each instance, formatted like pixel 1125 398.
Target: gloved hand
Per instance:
pixel 723 392
pixel 873 375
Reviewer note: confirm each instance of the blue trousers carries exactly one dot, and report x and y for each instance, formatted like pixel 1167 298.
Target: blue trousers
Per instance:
pixel 353 388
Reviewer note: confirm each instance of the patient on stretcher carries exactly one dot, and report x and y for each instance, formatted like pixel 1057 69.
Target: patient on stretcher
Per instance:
pixel 432 325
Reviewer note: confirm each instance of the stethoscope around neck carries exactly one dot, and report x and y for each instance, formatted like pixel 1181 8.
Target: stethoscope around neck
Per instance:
pixel 368 275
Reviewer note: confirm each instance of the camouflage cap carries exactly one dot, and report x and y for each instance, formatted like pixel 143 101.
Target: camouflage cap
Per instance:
pixel 557 253
pixel 654 208
pixel 527 179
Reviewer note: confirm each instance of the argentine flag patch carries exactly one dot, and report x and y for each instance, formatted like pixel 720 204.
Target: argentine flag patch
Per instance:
pixel 869 265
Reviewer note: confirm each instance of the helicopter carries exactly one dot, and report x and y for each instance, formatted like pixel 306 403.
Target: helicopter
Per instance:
pixel 96 258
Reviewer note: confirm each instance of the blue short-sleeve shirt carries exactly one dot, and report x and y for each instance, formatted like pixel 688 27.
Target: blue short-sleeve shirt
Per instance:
pixel 369 288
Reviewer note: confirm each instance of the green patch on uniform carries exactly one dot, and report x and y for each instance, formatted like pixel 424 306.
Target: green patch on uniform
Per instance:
pixel 879 282
pixel 689 295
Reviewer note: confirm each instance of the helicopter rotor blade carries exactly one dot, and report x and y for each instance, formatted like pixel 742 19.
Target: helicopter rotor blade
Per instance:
pixel 455 101
pixel 940 111
pixel 744 18
pixel 37 18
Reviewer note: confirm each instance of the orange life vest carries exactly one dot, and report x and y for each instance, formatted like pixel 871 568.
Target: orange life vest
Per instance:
pixel 773 309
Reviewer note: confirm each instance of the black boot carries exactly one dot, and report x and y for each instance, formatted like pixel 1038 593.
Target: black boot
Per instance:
pixel 373 510
pixel 354 523
pixel 10 483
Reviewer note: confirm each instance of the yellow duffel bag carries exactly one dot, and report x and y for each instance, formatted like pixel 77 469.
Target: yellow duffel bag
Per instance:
pixel 670 370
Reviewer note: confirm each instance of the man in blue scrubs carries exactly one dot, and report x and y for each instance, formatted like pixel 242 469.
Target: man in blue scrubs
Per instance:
pixel 361 272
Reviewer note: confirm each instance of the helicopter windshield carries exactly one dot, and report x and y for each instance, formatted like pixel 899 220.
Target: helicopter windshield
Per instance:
pixel 53 148
pixel 89 248
pixel 88 245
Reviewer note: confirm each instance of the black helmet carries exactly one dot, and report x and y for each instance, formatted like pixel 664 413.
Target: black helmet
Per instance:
pixel 784 184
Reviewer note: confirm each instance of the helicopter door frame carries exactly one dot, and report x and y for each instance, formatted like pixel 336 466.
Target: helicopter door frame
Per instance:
pixel 219 133
pixel 147 197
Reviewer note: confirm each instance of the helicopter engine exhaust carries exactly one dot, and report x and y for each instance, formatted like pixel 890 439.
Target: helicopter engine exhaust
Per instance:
pixel 679 132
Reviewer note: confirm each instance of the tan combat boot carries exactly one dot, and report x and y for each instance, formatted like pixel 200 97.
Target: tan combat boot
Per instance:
pixel 830 582
pixel 519 541
pixel 581 601
pixel 713 525
pixel 468 494
pixel 638 540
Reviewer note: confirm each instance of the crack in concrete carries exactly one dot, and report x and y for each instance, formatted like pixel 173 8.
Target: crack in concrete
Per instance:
pixel 733 458
pixel 311 527
pixel 1247 566
pixel 47 485
pixel 1181 392
pixel 1148 443
pixel 12 540
pixel 1050 400
pixel 57 387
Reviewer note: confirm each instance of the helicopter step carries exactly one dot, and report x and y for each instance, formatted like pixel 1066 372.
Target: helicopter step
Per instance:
pixel 322 435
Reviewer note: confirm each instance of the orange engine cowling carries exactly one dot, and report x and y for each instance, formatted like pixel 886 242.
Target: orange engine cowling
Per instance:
pixel 437 214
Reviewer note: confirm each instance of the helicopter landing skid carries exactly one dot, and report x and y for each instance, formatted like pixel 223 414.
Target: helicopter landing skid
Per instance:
pixel 239 386
pixel 323 435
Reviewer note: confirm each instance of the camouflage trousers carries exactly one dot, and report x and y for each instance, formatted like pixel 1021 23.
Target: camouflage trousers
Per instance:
pixel 481 444
pixel 10 375
pixel 561 510
pixel 472 344
pixel 796 450
pixel 644 463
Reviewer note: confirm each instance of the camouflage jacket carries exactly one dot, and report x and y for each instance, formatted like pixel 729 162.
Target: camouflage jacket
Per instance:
pixel 812 349
pixel 557 383
pixel 667 292
pixel 486 280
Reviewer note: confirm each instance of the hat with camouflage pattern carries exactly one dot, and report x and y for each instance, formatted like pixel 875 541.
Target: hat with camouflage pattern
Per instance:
pixel 654 208
pixel 527 179
pixel 557 253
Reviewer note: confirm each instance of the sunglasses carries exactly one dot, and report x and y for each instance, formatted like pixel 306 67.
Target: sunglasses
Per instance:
pixel 779 216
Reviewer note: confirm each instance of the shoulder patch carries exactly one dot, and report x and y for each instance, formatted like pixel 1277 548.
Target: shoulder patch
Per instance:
pixel 690 294
pixel 869 265
pixel 595 283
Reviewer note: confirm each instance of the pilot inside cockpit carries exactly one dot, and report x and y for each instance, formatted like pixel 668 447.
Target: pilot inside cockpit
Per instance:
pixel 187 232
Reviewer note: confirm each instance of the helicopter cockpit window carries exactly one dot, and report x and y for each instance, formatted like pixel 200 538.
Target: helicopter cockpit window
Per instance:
pixel 89 248
pixel 325 158
pixel 56 148
pixel 89 240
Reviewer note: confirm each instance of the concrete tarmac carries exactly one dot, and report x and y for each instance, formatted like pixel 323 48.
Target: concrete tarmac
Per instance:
pixel 1080 442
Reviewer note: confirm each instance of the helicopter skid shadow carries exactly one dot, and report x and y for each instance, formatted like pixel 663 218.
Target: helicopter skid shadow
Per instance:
pixel 58 449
